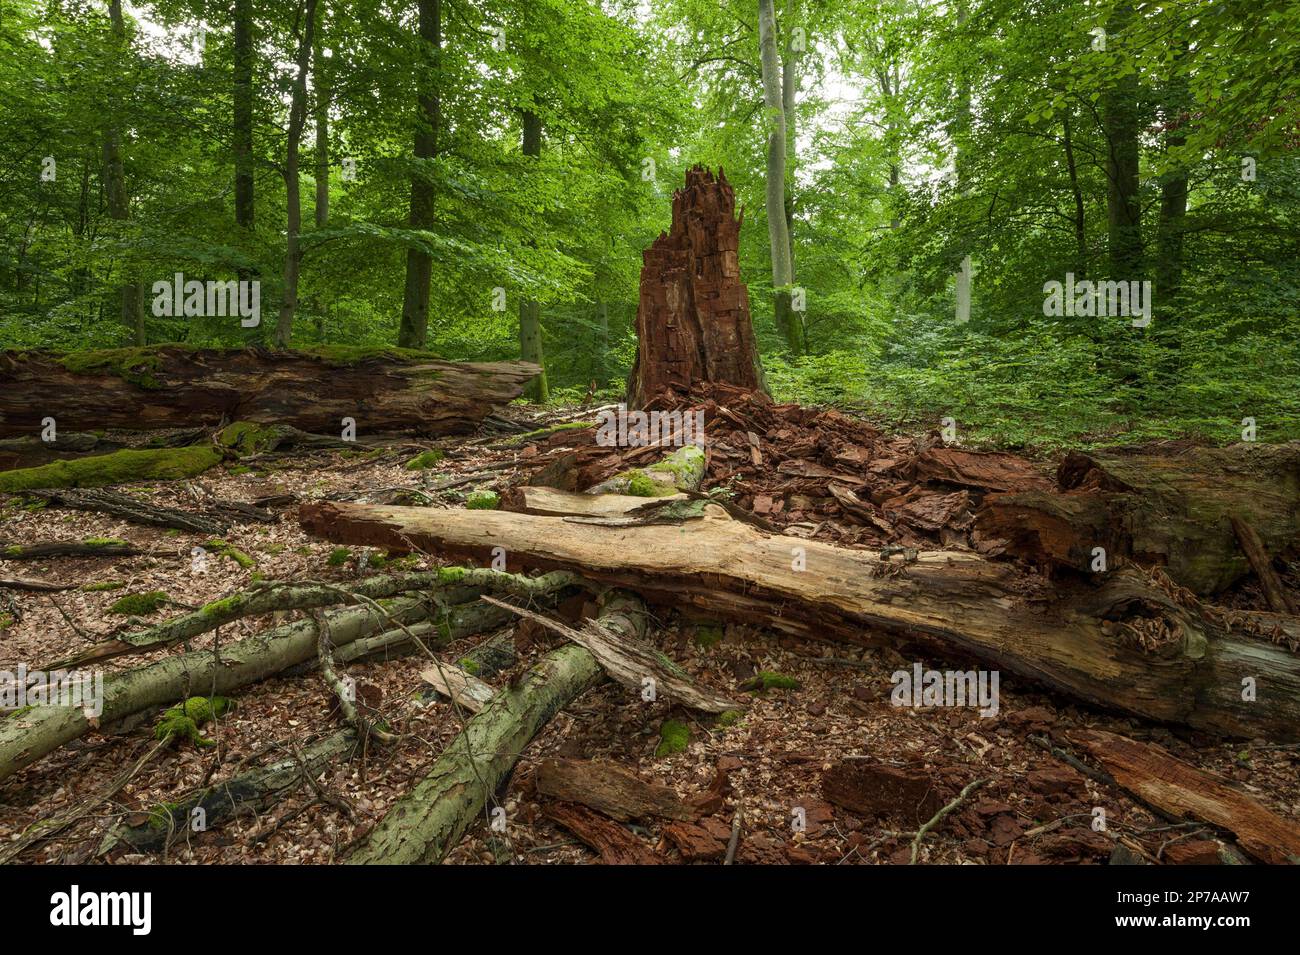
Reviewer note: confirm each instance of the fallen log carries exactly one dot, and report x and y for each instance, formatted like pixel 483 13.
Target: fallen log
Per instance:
pixel 120 467
pixel 90 547
pixel 1279 601
pixel 1182 791
pixel 428 822
pixel 27 736
pixel 1122 642
pixel 133 510
pixel 449 584
pixel 610 789
pixel 31 451
pixel 1170 509
pixel 139 389
pixel 28 583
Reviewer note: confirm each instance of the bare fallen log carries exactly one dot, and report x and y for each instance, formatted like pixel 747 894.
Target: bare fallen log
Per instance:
pixel 1182 791
pixel 610 789
pixel 1121 642
pixel 428 822
pixel 28 583
pixel 134 510
pixel 172 385
pixel 1173 509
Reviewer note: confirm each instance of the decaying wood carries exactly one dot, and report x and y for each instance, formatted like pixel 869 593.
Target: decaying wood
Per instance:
pixel 28 583
pixel 133 509
pixel 426 823
pixel 633 662
pixel 1184 792
pixel 616 844
pixel 1278 599
pixel 1121 642
pixel 692 320
pixel 546 500
pixel 104 547
pixel 169 385
pixel 611 789
pixel 1173 509
pixel 462 688
pixel 31 451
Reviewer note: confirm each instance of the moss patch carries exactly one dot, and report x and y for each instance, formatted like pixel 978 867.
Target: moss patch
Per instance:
pixel 136 365
pixel 120 467
pixel 729 718
pixel 6 621
pixel 424 460
pixel 103 585
pixel 347 355
pixel 674 735
pixel 138 605
pixel 483 500
pixel 225 549
pixel 246 437
pixel 338 557
pixel 182 722
pixel 707 634
pixel 769 680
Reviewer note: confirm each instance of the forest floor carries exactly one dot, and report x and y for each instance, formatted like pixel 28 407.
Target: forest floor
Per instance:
pixel 1033 809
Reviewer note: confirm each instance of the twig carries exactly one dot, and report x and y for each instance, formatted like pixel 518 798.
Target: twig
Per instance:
pixel 938 816
pixel 734 841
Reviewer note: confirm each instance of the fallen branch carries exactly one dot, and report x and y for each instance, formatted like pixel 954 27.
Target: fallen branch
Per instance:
pixel 428 822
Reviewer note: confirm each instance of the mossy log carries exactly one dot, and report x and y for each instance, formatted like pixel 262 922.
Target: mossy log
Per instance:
pixel 449 585
pixel 120 467
pixel 90 547
pixel 28 735
pixel 1120 640
pixel 428 822
pixel 258 789
pixel 140 389
pixel 680 470
pixel 1172 509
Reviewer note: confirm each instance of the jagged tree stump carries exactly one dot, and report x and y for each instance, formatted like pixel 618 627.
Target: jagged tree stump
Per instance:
pixel 692 320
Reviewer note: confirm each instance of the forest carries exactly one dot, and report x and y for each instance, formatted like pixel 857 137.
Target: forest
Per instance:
pixel 650 432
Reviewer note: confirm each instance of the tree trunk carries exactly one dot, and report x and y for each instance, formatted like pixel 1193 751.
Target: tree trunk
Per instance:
pixel 171 386
pixel 1080 234
pixel 130 305
pixel 530 312
pixel 777 231
pixel 428 822
pixel 419 265
pixel 292 184
pixel 1120 121
pixel 692 322
pixel 243 113
pixel 1121 643
pixel 320 71
pixel 1173 198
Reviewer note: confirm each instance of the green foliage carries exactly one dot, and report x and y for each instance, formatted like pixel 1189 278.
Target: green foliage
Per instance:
pixel 483 500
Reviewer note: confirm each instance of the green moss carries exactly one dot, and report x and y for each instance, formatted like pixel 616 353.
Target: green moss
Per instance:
pixel 707 634
pixel 6 621
pixel 451 575
pixel 346 355
pixel 378 560
pixel 729 717
pixel 686 465
pixel 104 542
pixel 483 500
pixel 674 735
pixel 138 605
pixel 239 469
pixel 225 549
pixel 640 484
pixel 247 437
pixel 769 680
pixel 104 585
pixel 136 365
pixel 163 815
pixel 469 666
pixel 543 432
pixel 120 467
pixel 183 721
pixel 424 460
pixel 338 557
pixel 273 549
